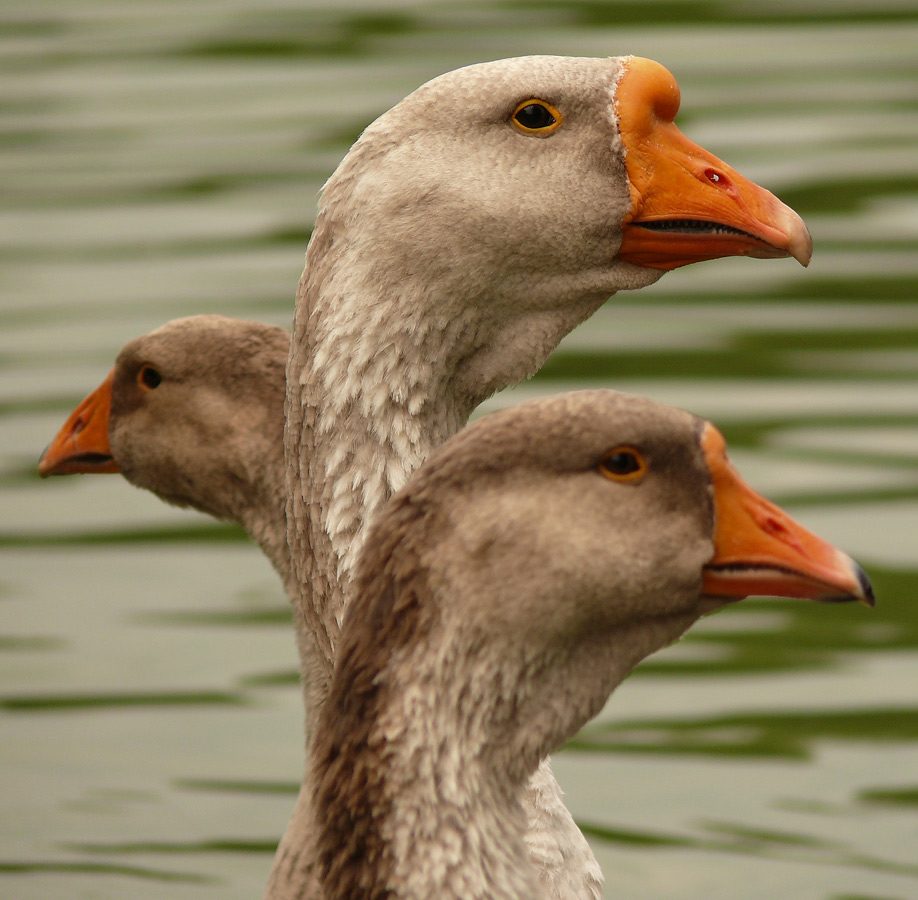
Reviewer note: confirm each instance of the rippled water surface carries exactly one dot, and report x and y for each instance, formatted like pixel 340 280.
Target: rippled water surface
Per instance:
pixel 163 159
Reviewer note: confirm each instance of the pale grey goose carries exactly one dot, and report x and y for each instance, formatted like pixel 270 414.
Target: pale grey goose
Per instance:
pixel 464 234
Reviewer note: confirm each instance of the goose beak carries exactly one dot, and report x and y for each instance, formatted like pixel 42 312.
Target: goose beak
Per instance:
pixel 687 205
pixel 760 549
pixel 81 446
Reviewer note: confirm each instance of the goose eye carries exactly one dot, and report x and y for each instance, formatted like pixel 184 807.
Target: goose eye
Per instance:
pixel 623 464
pixel 536 116
pixel 149 378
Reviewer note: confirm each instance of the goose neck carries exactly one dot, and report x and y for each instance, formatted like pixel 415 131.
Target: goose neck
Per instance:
pixel 432 814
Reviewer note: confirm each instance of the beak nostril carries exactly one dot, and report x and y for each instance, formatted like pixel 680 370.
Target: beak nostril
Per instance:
pixel 773 526
pixel 717 178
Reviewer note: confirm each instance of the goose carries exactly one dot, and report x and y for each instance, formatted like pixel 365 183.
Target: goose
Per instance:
pixel 464 234
pixel 499 599
pixel 194 413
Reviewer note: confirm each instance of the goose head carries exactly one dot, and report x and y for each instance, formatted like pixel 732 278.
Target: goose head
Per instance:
pixel 593 512
pixel 522 573
pixel 499 205
pixel 192 412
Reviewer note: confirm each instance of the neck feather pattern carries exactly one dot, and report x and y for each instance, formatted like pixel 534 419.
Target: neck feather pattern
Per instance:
pixel 362 414
pixel 382 371
pixel 408 802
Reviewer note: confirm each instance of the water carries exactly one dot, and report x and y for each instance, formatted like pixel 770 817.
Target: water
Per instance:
pixel 163 159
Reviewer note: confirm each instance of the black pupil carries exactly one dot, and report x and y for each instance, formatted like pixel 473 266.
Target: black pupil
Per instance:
pixel 150 377
pixel 534 116
pixel 622 463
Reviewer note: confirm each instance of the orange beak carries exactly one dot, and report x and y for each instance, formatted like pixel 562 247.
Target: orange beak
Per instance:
pixel 687 205
pixel 760 549
pixel 82 444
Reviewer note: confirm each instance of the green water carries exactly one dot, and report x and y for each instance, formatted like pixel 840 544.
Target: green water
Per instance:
pixel 163 159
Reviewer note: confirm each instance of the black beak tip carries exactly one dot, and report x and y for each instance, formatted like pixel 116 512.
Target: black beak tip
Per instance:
pixel 866 586
pixel 864 593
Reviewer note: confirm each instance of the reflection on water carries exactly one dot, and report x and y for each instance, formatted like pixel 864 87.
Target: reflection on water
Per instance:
pixel 161 160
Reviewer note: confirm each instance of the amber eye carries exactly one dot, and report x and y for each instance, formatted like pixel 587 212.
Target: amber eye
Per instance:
pixel 536 117
pixel 149 378
pixel 623 464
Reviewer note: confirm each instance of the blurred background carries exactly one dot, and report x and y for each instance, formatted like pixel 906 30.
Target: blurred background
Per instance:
pixel 163 159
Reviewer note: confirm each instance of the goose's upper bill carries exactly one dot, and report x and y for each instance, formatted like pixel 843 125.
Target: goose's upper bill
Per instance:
pixel 81 445
pixel 687 204
pixel 760 549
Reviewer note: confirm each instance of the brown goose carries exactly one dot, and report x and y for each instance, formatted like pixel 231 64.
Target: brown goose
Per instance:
pixel 193 412
pixel 465 233
pixel 501 596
